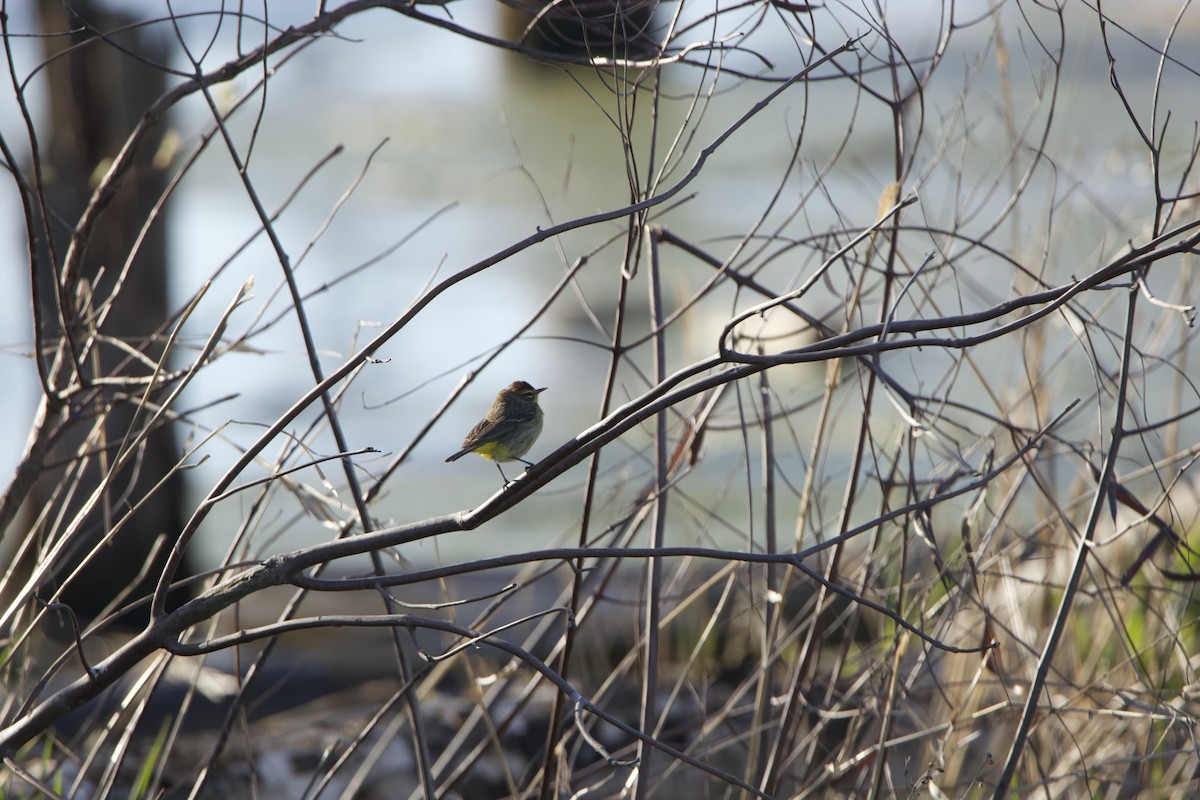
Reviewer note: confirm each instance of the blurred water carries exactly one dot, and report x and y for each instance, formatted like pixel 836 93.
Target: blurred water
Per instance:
pixel 474 145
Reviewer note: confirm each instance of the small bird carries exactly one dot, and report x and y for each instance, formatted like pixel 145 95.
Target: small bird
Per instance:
pixel 509 429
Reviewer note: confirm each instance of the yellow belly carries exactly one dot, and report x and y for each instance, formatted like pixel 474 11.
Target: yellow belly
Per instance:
pixel 494 451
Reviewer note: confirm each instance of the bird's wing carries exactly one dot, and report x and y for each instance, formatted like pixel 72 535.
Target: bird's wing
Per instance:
pixel 487 428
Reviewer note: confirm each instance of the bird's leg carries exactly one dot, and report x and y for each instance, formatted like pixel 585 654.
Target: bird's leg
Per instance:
pixel 528 464
pixel 502 475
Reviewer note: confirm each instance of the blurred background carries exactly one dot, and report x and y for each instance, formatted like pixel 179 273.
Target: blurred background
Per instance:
pixel 446 150
pixel 1031 145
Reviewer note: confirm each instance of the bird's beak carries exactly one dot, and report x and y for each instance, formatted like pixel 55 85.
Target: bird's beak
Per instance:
pixel 544 388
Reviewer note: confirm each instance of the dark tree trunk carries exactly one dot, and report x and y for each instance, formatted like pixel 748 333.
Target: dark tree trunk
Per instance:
pixel 97 94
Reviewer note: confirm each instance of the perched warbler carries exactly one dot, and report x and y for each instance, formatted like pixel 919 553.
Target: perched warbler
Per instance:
pixel 509 429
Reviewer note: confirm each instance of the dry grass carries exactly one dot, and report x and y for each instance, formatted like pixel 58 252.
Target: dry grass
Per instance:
pixel 868 473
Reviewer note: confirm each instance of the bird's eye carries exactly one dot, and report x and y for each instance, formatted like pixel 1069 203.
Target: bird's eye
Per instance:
pixel 529 395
